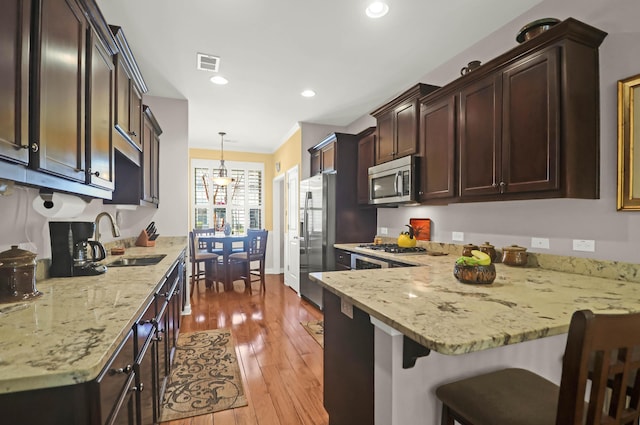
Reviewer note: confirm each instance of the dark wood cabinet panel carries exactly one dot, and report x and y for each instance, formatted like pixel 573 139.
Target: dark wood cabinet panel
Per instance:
pixel 348 364
pixel 437 137
pixel 150 157
pixel 398 125
pixel 58 116
pixel 128 93
pixel 384 143
pixel 100 116
pixel 530 148
pixel 366 159
pixel 328 154
pixel 406 137
pixel 316 167
pixel 14 80
pixel 480 137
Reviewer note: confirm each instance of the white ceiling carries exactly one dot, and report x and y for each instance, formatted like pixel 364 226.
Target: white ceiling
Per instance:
pixel 271 50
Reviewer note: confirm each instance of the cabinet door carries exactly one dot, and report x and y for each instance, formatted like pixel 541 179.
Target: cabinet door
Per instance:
pixel 328 157
pixel 385 144
pixel 128 412
pixel 316 167
pixel 147 161
pixel 122 88
pixel 155 169
pixel 14 84
pixel 406 130
pixel 135 115
pixel 479 137
pixel 366 159
pixel 530 145
pixel 59 114
pixel 437 137
pixel 100 122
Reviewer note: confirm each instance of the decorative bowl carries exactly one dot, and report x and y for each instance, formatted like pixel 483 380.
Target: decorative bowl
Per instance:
pixel 535 28
pixel 514 255
pixel 475 274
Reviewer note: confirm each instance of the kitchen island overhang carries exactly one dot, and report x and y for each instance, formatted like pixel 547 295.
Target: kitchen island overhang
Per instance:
pixel 520 320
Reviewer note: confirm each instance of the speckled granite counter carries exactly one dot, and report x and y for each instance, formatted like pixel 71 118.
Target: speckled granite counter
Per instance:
pixel 430 306
pixel 66 336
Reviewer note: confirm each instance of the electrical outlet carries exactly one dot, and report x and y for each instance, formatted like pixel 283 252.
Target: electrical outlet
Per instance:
pixel 542 243
pixel 384 231
pixel 457 236
pixel 586 245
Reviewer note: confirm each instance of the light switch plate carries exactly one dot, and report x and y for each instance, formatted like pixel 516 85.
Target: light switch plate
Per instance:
pixel 384 231
pixel 542 243
pixel 457 236
pixel 586 245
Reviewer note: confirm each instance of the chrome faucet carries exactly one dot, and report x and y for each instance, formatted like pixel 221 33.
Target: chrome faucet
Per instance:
pixel 115 231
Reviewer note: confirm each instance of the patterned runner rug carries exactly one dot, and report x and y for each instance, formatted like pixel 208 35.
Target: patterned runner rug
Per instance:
pixel 205 377
pixel 316 330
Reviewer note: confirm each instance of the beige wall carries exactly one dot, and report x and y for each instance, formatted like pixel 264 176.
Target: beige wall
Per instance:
pixel 289 153
pixel 266 159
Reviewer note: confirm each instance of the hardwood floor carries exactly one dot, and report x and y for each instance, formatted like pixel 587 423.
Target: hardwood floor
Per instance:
pixel 281 363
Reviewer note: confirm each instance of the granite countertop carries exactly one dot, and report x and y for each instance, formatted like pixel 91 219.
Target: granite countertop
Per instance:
pixel 67 335
pixel 427 304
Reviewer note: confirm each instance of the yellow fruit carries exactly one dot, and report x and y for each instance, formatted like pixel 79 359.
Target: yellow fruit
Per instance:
pixel 483 258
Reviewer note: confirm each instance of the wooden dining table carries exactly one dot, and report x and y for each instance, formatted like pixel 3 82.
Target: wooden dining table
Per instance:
pixel 227 243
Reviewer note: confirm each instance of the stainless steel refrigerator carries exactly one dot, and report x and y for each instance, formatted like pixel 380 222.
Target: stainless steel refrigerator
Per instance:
pixel 329 214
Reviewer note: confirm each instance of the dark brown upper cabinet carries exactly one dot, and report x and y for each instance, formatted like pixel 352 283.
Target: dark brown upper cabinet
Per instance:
pixel 100 85
pixel 522 126
pixel 323 157
pixel 151 158
pixel 437 168
pixel 14 81
pixel 130 87
pixel 47 136
pixel 366 159
pixel 398 124
pixel 58 95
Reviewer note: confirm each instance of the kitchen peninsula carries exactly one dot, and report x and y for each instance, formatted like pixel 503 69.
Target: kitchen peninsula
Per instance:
pixel 76 354
pixel 520 320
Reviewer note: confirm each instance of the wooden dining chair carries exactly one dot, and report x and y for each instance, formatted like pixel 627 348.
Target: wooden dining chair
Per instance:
pixel 599 346
pixel 256 250
pixel 198 255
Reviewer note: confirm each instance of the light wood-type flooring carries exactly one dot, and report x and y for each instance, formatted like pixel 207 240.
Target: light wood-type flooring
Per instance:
pixel 281 363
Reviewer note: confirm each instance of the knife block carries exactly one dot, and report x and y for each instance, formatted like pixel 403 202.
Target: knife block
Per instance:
pixel 143 240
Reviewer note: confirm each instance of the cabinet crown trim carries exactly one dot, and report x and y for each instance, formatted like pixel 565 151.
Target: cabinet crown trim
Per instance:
pixel 128 59
pixel 413 93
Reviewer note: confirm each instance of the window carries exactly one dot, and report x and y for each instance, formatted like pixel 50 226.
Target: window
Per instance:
pixel 239 204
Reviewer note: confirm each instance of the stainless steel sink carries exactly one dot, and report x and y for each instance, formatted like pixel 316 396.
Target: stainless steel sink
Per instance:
pixel 147 260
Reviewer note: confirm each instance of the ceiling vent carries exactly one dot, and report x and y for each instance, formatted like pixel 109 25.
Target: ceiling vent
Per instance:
pixel 208 62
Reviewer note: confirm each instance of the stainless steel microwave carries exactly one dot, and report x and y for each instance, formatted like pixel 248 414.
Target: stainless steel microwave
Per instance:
pixel 394 182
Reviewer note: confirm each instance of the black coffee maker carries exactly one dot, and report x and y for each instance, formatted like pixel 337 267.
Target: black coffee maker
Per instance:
pixel 72 253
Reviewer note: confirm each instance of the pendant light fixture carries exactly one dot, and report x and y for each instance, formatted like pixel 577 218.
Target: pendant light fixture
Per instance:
pixel 222 179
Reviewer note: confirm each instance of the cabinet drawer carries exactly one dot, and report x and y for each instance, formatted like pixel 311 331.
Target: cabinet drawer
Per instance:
pixel 343 258
pixel 114 378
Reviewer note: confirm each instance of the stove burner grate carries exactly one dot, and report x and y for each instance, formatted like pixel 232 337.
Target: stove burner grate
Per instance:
pixel 394 248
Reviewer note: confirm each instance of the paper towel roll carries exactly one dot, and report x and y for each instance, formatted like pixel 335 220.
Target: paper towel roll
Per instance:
pixel 61 205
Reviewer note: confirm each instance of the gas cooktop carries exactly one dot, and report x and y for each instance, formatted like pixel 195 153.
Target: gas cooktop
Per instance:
pixel 394 248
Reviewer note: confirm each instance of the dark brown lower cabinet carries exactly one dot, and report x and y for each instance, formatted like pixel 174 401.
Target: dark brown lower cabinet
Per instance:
pixel 129 389
pixel 348 364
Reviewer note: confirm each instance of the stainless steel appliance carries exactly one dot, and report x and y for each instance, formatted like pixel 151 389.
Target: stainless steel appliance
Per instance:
pixel 329 214
pixel 393 182
pixel 72 253
pixel 362 262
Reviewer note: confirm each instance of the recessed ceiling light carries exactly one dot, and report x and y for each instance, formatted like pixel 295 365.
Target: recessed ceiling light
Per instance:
pixel 308 93
pixel 217 79
pixel 377 9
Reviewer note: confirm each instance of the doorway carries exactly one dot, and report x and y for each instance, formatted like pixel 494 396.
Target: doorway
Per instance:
pixel 292 245
pixel 279 227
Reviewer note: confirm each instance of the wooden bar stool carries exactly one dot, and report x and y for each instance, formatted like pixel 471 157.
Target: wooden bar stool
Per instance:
pixel 255 252
pixel 198 255
pixel 601 346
